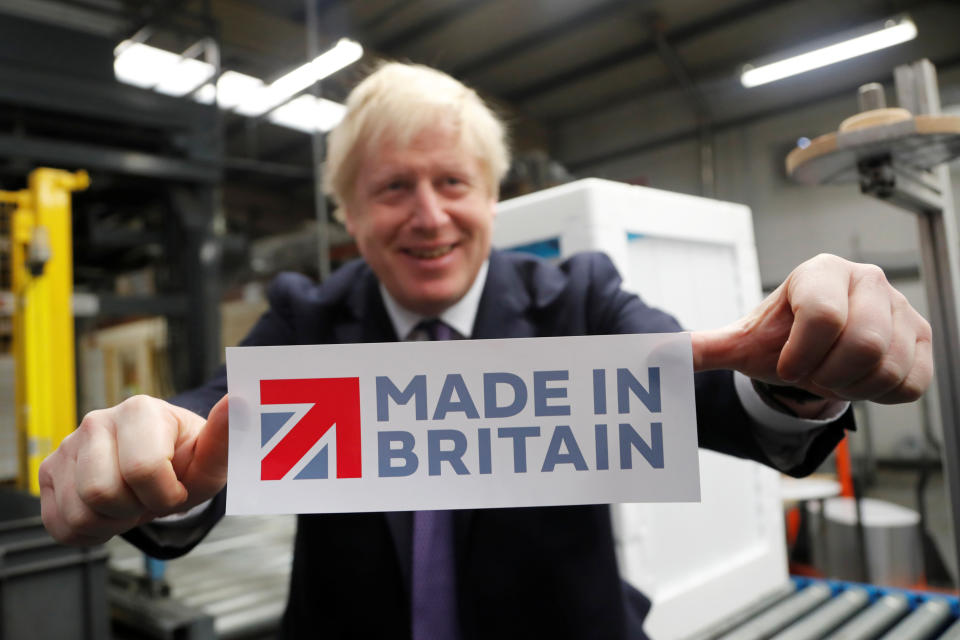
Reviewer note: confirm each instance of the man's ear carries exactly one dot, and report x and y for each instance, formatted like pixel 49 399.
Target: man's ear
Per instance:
pixel 347 219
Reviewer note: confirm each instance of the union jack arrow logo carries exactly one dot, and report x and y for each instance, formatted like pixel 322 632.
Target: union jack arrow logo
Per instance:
pixel 334 401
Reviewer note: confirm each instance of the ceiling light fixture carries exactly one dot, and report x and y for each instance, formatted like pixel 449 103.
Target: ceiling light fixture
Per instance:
pixel 186 76
pixel 892 32
pixel 343 54
pixel 308 114
pixel 142 65
pixel 166 72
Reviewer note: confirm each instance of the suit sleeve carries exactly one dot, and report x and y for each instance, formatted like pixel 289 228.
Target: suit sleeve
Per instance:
pixel 722 423
pixel 167 540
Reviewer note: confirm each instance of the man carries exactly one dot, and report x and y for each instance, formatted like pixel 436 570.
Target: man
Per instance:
pixel 414 168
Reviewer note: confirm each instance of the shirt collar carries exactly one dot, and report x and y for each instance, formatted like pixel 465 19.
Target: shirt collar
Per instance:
pixel 460 317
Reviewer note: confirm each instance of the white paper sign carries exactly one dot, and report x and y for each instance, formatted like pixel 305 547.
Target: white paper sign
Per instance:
pixel 462 424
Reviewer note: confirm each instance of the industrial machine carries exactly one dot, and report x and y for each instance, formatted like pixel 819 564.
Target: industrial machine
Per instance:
pixel 695 258
pixel 36 274
pixel 41 281
pixel 898 155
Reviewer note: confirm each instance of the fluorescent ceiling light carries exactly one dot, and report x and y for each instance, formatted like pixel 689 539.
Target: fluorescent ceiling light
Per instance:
pixel 149 67
pixel 344 53
pixel 185 77
pixel 142 65
pixel 308 114
pixel 892 33
pixel 205 94
pixel 235 88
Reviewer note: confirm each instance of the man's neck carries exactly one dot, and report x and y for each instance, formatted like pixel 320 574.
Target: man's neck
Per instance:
pixel 460 316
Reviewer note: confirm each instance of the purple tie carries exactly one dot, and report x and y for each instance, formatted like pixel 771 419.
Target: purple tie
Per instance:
pixel 434 593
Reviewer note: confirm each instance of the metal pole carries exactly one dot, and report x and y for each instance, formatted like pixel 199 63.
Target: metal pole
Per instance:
pixel 917 91
pixel 319 199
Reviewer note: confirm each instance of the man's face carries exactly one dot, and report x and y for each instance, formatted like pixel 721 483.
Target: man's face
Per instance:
pixel 422 217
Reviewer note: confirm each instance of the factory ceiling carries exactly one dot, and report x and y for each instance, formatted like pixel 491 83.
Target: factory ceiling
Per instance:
pixel 558 66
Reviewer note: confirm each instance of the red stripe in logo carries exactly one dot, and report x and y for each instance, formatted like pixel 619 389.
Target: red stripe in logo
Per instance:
pixel 335 401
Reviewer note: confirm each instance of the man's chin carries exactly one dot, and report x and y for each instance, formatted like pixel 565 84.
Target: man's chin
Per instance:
pixel 431 300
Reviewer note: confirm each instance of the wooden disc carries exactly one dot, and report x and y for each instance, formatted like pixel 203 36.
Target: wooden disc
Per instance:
pixel 873 118
pixel 917 143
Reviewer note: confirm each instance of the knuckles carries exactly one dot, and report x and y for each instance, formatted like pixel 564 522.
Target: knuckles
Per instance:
pixel 889 375
pixel 924 331
pixel 46 474
pixel 80 521
pixel 93 420
pixel 98 495
pixel 866 345
pixel 142 471
pixel 869 273
pixel 827 315
pixel 825 259
pixel 138 403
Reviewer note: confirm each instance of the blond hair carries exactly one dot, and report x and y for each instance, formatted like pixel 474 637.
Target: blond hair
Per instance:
pixel 398 101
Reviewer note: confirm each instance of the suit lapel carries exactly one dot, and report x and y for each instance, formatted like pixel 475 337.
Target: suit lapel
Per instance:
pixel 370 322
pixel 504 304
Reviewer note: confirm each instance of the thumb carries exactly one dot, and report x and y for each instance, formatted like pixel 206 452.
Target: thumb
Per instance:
pixel 207 472
pixel 714 349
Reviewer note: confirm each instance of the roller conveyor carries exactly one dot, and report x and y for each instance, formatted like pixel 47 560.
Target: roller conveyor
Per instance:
pixel 875 620
pixel 836 610
pixel 829 616
pixel 234 584
pixel 925 621
pixel 778 617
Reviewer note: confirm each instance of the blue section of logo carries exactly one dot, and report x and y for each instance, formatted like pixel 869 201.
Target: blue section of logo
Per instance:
pixel 316 469
pixel 270 423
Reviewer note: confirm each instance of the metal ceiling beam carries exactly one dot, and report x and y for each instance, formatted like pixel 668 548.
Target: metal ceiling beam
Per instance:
pixel 944 65
pixel 633 93
pixel 677 36
pixel 383 16
pixel 440 19
pixel 73 154
pixel 671 59
pixel 93 7
pixel 324 6
pixel 689 134
pixel 539 37
pixel 99 100
pixel 674 63
pixel 161 13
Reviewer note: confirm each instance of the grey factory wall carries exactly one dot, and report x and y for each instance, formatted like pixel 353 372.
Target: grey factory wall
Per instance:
pixel 794 222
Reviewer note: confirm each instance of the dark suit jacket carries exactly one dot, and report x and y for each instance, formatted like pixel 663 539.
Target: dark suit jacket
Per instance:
pixel 531 572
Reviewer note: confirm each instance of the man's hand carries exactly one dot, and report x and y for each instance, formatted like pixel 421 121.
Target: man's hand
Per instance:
pixel 835 328
pixel 127 465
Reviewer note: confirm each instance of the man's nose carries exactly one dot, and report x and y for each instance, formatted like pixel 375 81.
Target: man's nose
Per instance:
pixel 428 209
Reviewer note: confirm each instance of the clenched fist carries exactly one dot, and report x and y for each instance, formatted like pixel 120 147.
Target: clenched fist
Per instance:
pixel 127 465
pixel 835 328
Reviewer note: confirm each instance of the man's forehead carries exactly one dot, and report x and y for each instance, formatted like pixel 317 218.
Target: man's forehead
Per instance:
pixel 425 149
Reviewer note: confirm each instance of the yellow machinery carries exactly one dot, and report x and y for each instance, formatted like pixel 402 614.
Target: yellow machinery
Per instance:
pixel 41 274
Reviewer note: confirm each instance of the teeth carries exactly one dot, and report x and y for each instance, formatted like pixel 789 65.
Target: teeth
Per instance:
pixel 431 253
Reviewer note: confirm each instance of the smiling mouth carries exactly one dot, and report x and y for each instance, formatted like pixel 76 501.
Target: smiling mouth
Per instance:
pixel 435 252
